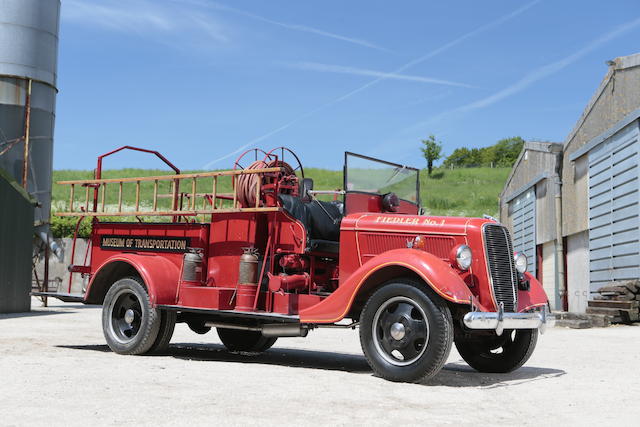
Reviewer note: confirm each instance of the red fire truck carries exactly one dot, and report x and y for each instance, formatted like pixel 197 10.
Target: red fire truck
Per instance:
pixel 277 258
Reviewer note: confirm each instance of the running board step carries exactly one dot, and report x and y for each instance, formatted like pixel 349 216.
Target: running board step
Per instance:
pixel 61 297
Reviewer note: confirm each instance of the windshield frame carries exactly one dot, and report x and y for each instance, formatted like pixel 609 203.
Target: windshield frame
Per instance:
pixel 385 162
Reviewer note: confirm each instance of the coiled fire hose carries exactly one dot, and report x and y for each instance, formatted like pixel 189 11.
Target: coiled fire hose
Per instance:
pixel 245 184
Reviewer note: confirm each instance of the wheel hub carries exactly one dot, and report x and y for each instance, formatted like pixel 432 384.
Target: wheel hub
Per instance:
pixel 129 316
pixel 397 331
pixel 400 331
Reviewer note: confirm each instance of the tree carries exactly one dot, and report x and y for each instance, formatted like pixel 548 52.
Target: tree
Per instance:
pixel 432 151
pixel 507 151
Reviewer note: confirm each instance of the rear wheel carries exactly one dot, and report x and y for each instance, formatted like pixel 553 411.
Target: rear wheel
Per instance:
pixel 239 340
pixel 167 326
pixel 406 331
pixel 129 323
pixel 498 354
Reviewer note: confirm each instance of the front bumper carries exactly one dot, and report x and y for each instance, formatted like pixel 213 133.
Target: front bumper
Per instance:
pixel 499 321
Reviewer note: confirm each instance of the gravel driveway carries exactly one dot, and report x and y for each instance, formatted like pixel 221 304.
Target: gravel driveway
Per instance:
pixel 55 368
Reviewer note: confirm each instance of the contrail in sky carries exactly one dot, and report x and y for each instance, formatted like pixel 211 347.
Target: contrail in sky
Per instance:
pixel 535 75
pixel 294 27
pixel 377 80
pixel 328 68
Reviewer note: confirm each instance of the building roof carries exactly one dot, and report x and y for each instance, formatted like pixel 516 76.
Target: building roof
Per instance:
pixel 543 146
pixel 620 63
pixel 9 179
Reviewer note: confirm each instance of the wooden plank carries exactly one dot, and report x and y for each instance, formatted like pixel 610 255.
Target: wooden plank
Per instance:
pixel 120 198
pixel 170 213
pixel 193 193
pixel 228 196
pixel 73 188
pixel 618 289
pixel 614 304
pixel 173 177
pixel 214 192
pixel 258 182
pixel 611 311
pixel 104 193
pixel 155 195
pixel 137 195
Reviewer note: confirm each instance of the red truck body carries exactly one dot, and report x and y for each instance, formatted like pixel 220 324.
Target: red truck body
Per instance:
pixel 303 280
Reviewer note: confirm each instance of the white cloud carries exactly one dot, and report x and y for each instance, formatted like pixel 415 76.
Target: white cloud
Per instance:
pixel 143 17
pixel 328 68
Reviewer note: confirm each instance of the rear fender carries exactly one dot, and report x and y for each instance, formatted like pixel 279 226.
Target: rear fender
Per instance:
pixel 160 276
pixel 437 274
pixel 534 297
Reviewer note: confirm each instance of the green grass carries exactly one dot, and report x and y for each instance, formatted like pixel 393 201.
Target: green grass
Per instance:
pixel 463 192
pixel 457 192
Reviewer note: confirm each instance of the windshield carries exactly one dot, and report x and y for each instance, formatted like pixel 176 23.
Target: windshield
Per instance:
pixel 376 176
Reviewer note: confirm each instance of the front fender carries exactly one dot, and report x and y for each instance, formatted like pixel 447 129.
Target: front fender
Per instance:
pixel 438 275
pixel 160 276
pixel 534 297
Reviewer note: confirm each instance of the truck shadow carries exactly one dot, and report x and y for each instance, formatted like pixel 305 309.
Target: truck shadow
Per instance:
pixel 456 374
pixel 459 374
pixel 32 314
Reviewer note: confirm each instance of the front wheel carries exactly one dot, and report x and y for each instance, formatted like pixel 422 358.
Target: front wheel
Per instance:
pixel 406 331
pixel 239 340
pixel 498 354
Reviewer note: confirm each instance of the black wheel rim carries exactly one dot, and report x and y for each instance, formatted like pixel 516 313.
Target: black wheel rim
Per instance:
pixel 125 316
pixel 400 331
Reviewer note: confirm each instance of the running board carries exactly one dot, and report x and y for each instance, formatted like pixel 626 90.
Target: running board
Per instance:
pixel 277 317
pixel 61 297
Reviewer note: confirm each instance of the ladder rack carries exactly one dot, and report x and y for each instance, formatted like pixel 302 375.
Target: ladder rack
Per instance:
pixel 212 203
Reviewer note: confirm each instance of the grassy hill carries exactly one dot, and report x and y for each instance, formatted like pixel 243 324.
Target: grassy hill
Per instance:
pixel 456 192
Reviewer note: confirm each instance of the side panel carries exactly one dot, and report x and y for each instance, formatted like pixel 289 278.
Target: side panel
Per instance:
pixel 159 274
pixel 614 208
pixel 440 276
pixel 523 212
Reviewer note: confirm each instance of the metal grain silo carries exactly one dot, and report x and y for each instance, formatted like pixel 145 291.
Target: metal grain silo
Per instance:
pixel 28 64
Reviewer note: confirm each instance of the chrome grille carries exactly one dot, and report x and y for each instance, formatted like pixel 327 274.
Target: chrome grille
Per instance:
pixel 502 269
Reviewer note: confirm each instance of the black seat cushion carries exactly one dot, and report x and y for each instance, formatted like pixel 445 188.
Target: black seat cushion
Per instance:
pixel 321 219
pixel 327 246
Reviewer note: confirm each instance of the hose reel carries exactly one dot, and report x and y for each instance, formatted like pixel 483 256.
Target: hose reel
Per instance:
pixel 284 182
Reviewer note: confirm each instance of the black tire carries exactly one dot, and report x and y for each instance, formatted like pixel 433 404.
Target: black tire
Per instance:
pixel 167 326
pixel 498 354
pixel 251 341
pixel 406 331
pixel 129 323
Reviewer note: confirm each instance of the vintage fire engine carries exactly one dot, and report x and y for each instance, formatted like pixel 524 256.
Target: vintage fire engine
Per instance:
pixel 271 259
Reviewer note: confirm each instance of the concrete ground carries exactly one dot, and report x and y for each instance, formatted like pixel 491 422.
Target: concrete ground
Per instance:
pixel 55 369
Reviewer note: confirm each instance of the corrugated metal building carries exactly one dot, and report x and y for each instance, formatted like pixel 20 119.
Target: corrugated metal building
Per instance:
pixel 16 229
pixel 528 208
pixel 600 238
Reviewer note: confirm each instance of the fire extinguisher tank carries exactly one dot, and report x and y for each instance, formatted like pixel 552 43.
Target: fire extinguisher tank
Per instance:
pixel 28 64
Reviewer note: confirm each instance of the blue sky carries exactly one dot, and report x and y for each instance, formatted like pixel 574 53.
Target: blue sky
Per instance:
pixel 200 80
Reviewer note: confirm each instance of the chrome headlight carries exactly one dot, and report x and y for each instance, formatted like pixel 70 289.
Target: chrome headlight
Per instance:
pixel 463 257
pixel 521 262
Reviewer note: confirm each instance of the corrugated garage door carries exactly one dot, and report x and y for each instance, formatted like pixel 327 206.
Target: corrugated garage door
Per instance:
pixel 523 212
pixel 613 209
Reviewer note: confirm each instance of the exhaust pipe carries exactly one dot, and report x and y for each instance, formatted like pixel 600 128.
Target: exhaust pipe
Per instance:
pixel 44 233
pixel 268 330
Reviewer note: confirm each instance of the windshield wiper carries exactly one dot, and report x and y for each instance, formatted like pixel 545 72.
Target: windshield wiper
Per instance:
pixel 396 171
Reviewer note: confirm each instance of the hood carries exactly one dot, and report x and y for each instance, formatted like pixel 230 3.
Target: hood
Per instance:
pixel 412 224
